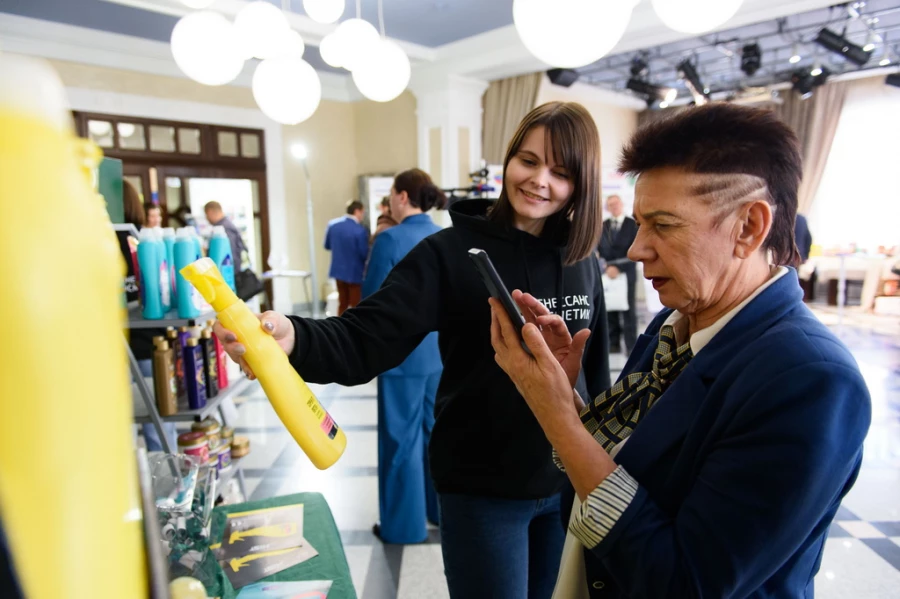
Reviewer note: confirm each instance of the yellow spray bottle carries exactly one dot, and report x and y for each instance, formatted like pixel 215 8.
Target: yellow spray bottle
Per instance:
pixel 308 422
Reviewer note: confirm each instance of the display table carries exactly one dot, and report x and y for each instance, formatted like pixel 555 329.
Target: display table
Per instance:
pixel 318 528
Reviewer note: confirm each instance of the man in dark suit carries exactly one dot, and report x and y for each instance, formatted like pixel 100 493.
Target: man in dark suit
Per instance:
pixel 348 241
pixel 619 232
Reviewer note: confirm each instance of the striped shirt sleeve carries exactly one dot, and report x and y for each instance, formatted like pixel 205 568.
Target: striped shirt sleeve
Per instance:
pixel 603 507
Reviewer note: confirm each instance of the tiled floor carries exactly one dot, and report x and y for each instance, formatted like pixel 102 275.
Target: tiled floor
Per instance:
pixel 862 554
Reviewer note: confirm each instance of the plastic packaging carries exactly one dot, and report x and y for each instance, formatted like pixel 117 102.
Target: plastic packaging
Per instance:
pixel 186 252
pixel 164 377
pixel 152 271
pixel 178 349
pixel 194 376
pixel 308 422
pixel 221 361
pixel 220 253
pixel 71 513
pixel 168 234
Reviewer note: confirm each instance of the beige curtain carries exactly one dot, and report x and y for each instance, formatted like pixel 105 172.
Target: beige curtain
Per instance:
pixel 505 103
pixel 815 121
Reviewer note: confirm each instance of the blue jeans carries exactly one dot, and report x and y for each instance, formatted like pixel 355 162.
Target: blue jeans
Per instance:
pixel 500 548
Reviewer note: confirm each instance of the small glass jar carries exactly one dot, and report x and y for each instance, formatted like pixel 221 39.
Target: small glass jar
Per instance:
pixel 240 447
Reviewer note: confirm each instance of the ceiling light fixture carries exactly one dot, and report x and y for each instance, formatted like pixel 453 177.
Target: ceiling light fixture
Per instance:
pixel 324 11
pixel 691 78
pixel 695 16
pixel 841 45
pixel 805 81
pixel 571 33
pixel 206 48
pixel 260 27
pixel 795 55
pixel 652 93
pixel 382 72
pixel 751 58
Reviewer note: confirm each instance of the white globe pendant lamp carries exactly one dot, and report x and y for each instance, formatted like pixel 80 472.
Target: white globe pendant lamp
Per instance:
pixel 571 33
pixel 287 89
pixel 331 50
pixel 695 16
pixel 383 73
pixel 291 44
pixel 324 11
pixel 205 48
pixel 260 27
pixel 356 38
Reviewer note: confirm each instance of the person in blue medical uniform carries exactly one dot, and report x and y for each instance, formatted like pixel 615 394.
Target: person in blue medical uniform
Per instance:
pixel 406 393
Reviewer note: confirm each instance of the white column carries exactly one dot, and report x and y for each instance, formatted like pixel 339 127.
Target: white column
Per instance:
pixel 449 106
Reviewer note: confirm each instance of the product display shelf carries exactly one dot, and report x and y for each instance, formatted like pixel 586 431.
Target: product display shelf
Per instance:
pixel 137 321
pixel 212 405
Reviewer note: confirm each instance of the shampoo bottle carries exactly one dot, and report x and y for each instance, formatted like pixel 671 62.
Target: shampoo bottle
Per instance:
pixel 164 377
pixel 209 363
pixel 221 363
pixel 169 241
pixel 149 259
pixel 185 253
pixel 220 252
pixel 195 378
pixel 308 422
pixel 178 351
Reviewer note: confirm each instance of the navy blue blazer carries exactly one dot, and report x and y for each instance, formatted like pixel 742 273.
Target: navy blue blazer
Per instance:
pixel 348 241
pixel 742 463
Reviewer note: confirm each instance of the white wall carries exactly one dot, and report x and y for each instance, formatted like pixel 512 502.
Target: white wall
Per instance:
pixel 858 200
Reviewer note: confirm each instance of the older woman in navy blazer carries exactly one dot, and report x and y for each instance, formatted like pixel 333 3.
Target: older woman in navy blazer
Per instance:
pixel 714 466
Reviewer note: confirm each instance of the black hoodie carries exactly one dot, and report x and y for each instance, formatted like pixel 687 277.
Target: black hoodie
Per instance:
pixel 485 440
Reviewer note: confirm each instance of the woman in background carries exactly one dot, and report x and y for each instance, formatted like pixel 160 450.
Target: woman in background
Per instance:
pixel 406 394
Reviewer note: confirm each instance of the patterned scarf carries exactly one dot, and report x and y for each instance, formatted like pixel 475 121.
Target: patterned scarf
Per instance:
pixel 614 414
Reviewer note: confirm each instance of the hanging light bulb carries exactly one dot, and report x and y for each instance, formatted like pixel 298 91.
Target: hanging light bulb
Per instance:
pixel 383 73
pixel 205 48
pixel 291 44
pixel 816 70
pixel 695 16
pixel 324 11
pixel 870 42
pixel 287 89
pixel 260 27
pixel 356 38
pixel 331 50
pixel 571 33
pixel 197 4
pixel 795 55
pixel 885 56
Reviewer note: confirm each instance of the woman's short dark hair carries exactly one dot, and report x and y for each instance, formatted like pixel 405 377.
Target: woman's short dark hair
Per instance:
pixel 132 206
pixel 422 192
pixel 728 139
pixel 575 141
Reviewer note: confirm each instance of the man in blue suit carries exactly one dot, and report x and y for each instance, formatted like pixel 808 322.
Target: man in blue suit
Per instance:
pixel 716 463
pixel 406 394
pixel 348 241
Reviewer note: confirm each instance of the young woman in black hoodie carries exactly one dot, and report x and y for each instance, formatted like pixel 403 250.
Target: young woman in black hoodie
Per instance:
pixel 491 463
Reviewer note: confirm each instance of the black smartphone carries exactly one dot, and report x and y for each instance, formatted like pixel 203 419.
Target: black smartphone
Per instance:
pixel 498 290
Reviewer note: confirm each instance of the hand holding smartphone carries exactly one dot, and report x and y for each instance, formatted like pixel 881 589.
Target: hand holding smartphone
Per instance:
pixel 498 290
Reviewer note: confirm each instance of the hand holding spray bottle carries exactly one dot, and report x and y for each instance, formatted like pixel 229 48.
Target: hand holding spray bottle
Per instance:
pixel 305 418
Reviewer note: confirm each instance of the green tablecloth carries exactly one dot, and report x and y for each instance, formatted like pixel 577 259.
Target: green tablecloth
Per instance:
pixel 318 528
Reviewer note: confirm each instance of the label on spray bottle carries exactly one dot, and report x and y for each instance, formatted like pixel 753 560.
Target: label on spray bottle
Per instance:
pixel 326 422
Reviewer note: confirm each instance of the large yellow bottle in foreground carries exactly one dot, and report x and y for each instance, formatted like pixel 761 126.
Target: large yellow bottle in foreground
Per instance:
pixel 308 422
pixel 69 498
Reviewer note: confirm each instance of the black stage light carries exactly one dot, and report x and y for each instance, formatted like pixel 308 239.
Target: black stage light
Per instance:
pixel 651 92
pixel 805 82
pixel 893 79
pixel 692 80
pixel 841 45
pixel 751 59
pixel 638 67
pixel 563 77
